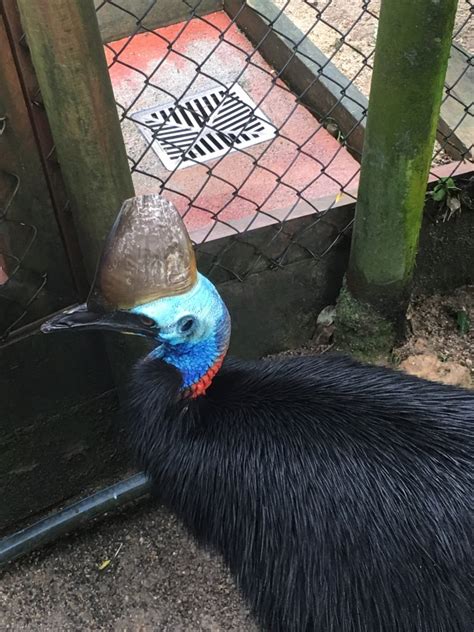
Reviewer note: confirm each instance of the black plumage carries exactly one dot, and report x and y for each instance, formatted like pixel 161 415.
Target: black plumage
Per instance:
pixel 338 494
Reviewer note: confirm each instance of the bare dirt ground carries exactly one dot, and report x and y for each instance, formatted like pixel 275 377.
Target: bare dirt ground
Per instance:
pixel 442 340
pixel 439 344
pixel 157 580
pixel 154 576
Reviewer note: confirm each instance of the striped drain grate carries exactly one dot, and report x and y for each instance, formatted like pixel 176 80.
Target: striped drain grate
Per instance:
pixel 204 127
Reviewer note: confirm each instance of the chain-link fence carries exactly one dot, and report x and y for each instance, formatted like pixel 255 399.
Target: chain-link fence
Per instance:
pixel 210 121
pixel 248 115
pixel 20 285
pixel 35 245
pixel 346 33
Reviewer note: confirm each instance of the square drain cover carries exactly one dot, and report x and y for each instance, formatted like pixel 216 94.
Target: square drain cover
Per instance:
pixel 204 127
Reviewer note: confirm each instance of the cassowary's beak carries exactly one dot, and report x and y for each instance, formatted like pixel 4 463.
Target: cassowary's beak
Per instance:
pixel 81 317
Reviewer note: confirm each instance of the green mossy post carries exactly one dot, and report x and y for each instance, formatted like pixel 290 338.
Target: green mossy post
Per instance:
pixel 66 48
pixel 411 58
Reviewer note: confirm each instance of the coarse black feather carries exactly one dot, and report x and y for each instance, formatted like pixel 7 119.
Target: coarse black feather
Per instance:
pixel 338 494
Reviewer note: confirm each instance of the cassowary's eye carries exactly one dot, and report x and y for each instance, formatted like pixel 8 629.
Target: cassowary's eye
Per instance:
pixel 147 321
pixel 186 324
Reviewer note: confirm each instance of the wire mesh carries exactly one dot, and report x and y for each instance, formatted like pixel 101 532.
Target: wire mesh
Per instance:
pixel 20 285
pixel 243 188
pixel 307 168
pixel 40 264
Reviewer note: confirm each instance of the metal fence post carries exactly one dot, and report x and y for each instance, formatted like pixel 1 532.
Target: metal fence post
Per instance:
pixel 66 49
pixel 411 58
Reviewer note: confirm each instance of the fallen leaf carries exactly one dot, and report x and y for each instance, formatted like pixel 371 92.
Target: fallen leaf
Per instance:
pixel 453 203
pixel 327 315
pixel 103 565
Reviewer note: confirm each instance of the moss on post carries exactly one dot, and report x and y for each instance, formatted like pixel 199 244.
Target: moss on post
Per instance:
pixel 361 330
pixel 411 58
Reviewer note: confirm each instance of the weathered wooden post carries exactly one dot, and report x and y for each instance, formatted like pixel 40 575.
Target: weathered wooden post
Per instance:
pixel 65 44
pixel 411 58
pixel 66 48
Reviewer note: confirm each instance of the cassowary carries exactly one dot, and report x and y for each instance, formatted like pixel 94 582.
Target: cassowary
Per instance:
pixel 338 494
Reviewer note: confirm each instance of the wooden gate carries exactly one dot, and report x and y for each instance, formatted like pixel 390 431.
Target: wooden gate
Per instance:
pixel 57 395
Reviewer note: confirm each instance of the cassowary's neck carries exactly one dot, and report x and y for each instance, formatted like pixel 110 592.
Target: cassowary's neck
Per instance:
pixel 198 362
pixel 155 398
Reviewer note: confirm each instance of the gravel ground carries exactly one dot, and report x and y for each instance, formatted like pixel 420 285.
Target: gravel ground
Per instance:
pixel 157 580
pixel 346 31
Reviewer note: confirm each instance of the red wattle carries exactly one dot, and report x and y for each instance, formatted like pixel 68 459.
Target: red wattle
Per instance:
pixel 200 387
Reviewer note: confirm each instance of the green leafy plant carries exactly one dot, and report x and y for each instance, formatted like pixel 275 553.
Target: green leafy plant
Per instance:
pixel 446 194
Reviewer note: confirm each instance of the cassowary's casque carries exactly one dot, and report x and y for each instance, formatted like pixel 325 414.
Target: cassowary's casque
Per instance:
pixel 338 494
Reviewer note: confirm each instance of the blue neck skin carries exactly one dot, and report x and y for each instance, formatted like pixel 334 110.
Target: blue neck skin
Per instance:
pixel 194 359
pixel 196 352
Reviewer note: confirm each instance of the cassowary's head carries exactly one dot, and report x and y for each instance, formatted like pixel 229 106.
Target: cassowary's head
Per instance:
pixel 147 284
